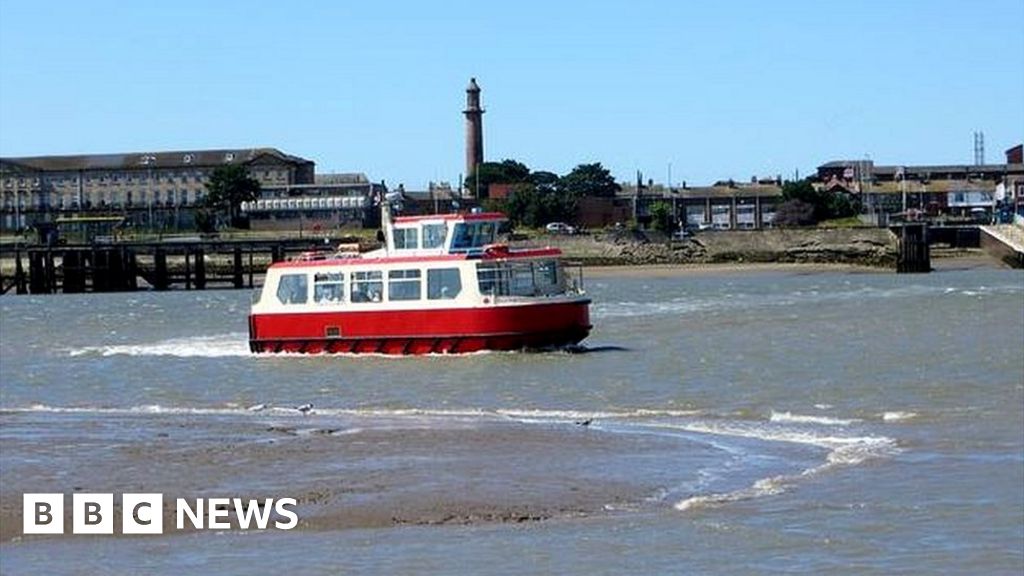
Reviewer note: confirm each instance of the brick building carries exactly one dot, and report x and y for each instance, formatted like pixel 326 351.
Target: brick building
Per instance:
pixel 953 190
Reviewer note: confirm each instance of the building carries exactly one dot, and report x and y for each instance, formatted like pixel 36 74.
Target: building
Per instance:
pixel 725 205
pixel 331 201
pixel 474 128
pixel 962 191
pixel 1015 155
pixel 150 189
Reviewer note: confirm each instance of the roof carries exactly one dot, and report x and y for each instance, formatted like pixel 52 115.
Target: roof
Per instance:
pixel 457 217
pixel 145 160
pixel 342 178
pixel 870 167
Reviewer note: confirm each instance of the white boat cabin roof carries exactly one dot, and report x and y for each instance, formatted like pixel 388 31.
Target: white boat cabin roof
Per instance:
pixel 439 234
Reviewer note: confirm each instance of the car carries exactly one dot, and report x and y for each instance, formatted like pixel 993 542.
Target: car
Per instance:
pixel 560 228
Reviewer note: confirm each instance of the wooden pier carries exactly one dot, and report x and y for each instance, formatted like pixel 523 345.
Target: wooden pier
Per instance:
pixel 914 254
pixel 122 267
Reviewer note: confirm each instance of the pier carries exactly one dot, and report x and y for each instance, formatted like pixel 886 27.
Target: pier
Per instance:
pixel 913 250
pixel 128 266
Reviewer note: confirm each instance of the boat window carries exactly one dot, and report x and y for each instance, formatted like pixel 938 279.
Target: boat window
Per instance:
pixel 443 284
pixel 329 287
pixel 488 232
pixel 521 274
pixel 404 285
pixel 546 274
pixel 406 238
pixel 433 235
pixel 367 286
pixel 493 279
pixel 463 239
pixel 518 278
pixel 292 289
pixel 470 235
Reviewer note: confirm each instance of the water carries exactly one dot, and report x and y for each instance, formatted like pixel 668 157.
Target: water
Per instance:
pixel 739 423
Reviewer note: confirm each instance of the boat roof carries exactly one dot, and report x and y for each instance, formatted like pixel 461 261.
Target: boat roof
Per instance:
pixel 460 217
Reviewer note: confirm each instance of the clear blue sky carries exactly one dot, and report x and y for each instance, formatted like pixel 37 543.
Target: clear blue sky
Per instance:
pixel 717 89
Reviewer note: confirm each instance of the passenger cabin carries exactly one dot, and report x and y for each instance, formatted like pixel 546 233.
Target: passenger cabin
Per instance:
pixel 428 262
pixel 441 234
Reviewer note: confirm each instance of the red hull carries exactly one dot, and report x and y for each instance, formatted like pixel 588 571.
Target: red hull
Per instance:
pixel 456 330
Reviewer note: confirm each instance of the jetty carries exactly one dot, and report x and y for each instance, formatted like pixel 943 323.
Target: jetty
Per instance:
pixel 195 264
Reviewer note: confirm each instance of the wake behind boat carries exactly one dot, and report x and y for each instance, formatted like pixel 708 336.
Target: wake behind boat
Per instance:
pixel 440 284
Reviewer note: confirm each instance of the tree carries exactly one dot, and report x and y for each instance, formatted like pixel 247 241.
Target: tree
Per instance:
pixel 505 172
pixel 228 187
pixel 794 213
pixel 824 204
pixel 535 205
pixel 589 180
pixel 662 217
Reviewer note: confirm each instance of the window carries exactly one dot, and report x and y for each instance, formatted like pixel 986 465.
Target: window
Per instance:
pixel 433 235
pixel 546 274
pixel 406 238
pixel 443 284
pixel 329 287
pixel 292 289
pixel 522 279
pixel 404 284
pixel 493 279
pixel 473 235
pixel 513 278
pixel 367 286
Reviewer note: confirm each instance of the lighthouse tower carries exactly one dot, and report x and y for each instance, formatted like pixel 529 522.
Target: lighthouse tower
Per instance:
pixel 474 128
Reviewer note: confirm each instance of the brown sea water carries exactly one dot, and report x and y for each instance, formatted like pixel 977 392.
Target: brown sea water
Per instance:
pixel 738 422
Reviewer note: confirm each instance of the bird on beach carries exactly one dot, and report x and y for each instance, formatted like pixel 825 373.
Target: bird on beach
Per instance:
pixel 305 408
pixel 584 422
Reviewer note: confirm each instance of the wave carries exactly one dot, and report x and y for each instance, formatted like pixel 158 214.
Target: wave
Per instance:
pixel 789 417
pixel 214 346
pixel 898 416
pixel 843 451
pixel 234 345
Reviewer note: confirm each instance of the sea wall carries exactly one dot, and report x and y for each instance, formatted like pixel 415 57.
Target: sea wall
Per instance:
pixel 859 246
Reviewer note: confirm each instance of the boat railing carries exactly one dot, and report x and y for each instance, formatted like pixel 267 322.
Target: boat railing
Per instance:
pixel 574 272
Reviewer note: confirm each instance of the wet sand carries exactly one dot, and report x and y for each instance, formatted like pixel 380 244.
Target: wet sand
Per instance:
pixel 342 473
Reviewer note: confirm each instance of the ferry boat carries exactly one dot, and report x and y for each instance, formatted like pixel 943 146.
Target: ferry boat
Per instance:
pixel 440 284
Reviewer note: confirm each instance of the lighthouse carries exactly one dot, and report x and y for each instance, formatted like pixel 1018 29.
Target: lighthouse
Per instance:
pixel 474 128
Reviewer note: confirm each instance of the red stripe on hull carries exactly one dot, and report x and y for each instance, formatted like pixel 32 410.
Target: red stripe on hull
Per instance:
pixel 422 331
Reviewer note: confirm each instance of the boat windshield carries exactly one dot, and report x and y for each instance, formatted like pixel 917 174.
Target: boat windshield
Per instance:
pixel 470 235
pixel 536 278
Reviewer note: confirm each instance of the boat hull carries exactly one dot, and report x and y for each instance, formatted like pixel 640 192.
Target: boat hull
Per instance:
pixel 423 331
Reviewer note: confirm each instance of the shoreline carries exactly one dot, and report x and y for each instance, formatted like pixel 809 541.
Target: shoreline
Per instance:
pixel 711 268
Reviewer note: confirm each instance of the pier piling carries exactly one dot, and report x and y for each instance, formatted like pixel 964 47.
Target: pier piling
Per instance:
pixel 914 255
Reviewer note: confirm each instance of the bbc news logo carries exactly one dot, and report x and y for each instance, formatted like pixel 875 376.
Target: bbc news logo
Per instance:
pixel 143 513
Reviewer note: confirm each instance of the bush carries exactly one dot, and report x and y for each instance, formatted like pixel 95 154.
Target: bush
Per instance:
pixel 795 213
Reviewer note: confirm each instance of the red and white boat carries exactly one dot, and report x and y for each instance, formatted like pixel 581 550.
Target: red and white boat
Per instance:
pixel 440 284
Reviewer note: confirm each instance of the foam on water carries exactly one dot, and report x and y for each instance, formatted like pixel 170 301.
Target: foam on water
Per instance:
pixel 789 417
pixel 843 451
pixel 213 346
pixel 230 345
pixel 898 416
